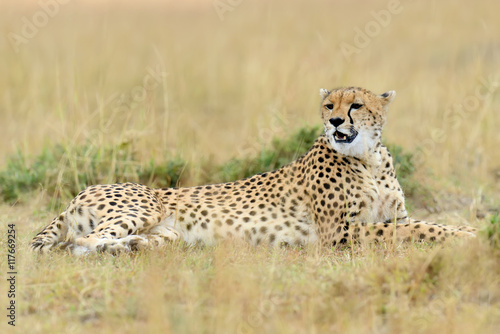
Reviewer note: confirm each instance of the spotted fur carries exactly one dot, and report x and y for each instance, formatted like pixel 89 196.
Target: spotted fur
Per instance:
pixel 343 190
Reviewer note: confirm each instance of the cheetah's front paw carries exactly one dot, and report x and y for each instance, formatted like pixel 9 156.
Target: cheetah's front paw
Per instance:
pixel 136 242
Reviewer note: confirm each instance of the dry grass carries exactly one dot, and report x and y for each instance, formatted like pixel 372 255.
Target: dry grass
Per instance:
pixel 230 86
pixel 235 288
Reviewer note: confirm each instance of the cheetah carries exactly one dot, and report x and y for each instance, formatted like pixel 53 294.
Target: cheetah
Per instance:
pixel 342 191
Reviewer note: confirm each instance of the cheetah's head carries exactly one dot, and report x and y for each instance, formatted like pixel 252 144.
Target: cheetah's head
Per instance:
pixel 353 119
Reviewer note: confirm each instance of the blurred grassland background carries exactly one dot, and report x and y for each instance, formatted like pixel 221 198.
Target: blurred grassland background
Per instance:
pixel 183 88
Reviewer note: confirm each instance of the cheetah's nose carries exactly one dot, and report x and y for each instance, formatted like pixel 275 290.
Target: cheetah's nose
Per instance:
pixel 336 121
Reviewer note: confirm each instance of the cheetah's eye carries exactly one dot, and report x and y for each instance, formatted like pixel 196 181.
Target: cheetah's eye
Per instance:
pixel 356 106
pixel 329 106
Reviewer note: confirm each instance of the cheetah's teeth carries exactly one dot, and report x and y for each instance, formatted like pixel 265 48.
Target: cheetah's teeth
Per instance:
pixel 340 136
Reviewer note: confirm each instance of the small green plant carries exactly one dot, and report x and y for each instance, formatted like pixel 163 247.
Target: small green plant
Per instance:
pixel 492 231
pixel 405 166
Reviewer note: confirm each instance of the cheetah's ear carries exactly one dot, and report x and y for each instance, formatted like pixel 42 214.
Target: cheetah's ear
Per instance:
pixel 387 97
pixel 323 93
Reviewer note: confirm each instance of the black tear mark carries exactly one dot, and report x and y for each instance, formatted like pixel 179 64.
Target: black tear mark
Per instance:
pixel 349 115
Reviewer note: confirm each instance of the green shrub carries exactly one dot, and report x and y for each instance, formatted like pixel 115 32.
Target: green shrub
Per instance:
pixel 492 231
pixel 280 152
pixel 20 177
pixel 283 151
pixel 161 175
pixel 63 171
pixel 405 167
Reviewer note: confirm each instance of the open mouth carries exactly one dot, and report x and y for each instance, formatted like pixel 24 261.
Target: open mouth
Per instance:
pixel 343 138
